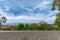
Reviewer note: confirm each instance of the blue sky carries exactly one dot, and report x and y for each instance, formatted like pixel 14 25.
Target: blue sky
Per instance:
pixel 27 11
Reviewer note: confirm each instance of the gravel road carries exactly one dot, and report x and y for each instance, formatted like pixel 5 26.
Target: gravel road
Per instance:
pixel 29 35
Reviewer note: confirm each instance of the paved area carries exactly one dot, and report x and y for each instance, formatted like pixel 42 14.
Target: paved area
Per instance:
pixel 29 35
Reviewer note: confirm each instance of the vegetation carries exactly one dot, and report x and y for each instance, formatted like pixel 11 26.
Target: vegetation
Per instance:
pixel 56 3
pixel 57 21
pixel 20 27
pixel 2 19
pixel 35 26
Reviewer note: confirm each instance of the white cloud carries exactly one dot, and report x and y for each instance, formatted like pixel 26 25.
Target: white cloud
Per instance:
pixel 32 19
pixel 51 20
pixel 29 19
pixel 42 5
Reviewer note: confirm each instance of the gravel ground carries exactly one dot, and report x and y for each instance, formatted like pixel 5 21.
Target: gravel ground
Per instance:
pixel 29 35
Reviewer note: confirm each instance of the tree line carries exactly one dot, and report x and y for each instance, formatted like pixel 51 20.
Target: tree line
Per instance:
pixel 35 26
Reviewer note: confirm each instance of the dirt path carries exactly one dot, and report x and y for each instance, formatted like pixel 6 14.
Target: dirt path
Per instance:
pixel 29 35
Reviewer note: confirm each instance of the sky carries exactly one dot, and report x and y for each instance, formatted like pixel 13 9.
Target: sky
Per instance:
pixel 27 11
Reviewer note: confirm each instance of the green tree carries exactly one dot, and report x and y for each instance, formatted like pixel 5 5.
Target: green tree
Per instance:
pixel 56 3
pixel 3 19
pixel 44 26
pixel 33 26
pixel 57 21
pixel 26 26
pixel 19 27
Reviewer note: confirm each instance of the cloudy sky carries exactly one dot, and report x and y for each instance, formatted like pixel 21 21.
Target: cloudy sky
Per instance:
pixel 27 11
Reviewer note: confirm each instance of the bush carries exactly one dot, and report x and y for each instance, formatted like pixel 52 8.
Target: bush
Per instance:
pixel 20 27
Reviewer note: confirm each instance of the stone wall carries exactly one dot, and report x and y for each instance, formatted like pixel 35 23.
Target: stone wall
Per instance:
pixel 29 35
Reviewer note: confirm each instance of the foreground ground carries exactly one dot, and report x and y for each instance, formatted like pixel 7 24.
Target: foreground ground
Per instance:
pixel 29 35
